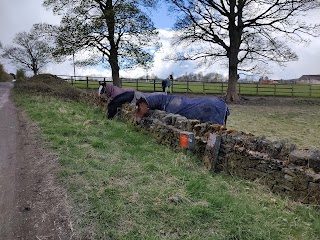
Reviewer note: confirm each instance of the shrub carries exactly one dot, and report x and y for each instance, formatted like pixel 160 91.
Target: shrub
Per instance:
pixel 4 76
pixel 21 74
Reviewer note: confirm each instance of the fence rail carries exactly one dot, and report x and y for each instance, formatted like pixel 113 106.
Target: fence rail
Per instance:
pixel 154 85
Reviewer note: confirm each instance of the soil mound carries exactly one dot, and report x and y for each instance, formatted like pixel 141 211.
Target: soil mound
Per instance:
pixel 48 85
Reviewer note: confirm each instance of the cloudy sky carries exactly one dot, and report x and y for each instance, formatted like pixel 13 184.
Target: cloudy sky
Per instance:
pixel 18 15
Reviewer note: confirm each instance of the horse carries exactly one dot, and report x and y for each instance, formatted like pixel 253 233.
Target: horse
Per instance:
pixel 118 101
pixel 126 97
pixel 112 91
pixel 212 110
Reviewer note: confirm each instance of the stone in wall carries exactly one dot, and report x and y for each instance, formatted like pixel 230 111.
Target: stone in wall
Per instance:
pixel 126 113
pixel 277 164
pixel 308 158
pixel 211 153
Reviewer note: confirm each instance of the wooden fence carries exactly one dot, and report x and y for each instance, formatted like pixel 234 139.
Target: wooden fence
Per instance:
pixel 219 88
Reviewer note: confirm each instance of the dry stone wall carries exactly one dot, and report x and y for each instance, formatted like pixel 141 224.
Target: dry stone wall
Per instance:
pixel 278 164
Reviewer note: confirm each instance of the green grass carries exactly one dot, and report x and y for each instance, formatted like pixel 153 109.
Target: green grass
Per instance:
pixel 287 90
pixel 125 186
pixel 297 122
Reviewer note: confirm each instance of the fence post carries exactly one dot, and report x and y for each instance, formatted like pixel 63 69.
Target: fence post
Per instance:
pixel 187 86
pixel 292 90
pixel 239 84
pixel 310 90
pixel 71 81
pixel 137 84
pixel 275 90
pixel 87 82
pixel 172 86
pixel 154 85
pixel 203 87
pixel 221 87
pixel 257 89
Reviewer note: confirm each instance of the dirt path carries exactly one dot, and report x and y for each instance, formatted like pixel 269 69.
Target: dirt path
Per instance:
pixel 32 204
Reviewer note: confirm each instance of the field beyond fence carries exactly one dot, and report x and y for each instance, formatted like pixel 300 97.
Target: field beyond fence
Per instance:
pixel 154 85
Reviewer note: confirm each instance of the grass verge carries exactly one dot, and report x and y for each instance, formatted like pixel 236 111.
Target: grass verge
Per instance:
pixel 126 186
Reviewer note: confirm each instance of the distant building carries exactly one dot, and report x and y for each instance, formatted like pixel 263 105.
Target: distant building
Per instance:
pixel 310 79
pixel 267 81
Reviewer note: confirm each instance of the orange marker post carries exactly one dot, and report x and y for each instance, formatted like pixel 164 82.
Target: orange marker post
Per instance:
pixel 184 140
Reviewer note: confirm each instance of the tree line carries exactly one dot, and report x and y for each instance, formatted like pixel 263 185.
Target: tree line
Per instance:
pixel 244 35
pixel 4 76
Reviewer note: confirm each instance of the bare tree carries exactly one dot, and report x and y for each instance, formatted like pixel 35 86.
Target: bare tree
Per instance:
pixel 244 34
pixel 30 53
pixel 118 32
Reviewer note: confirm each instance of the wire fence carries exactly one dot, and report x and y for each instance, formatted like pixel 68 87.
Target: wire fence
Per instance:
pixel 220 88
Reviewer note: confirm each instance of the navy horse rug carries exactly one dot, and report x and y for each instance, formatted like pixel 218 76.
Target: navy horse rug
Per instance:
pixel 212 110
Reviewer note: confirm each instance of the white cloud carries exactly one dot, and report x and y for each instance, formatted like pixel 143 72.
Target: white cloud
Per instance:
pixel 308 63
pixel 17 16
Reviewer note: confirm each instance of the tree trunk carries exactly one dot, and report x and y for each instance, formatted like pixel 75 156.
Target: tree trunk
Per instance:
pixel 232 94
pixel 113 60
pixel 34 66
pixel 35 70
pixel 116 77
pixel 109 16
pixel 235 41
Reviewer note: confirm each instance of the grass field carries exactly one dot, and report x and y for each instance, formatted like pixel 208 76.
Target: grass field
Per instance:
pixel 125 186
pixel 249 89
pixel 294 119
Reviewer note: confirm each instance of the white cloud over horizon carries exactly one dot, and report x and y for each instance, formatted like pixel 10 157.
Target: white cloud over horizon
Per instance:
pixel 17 16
